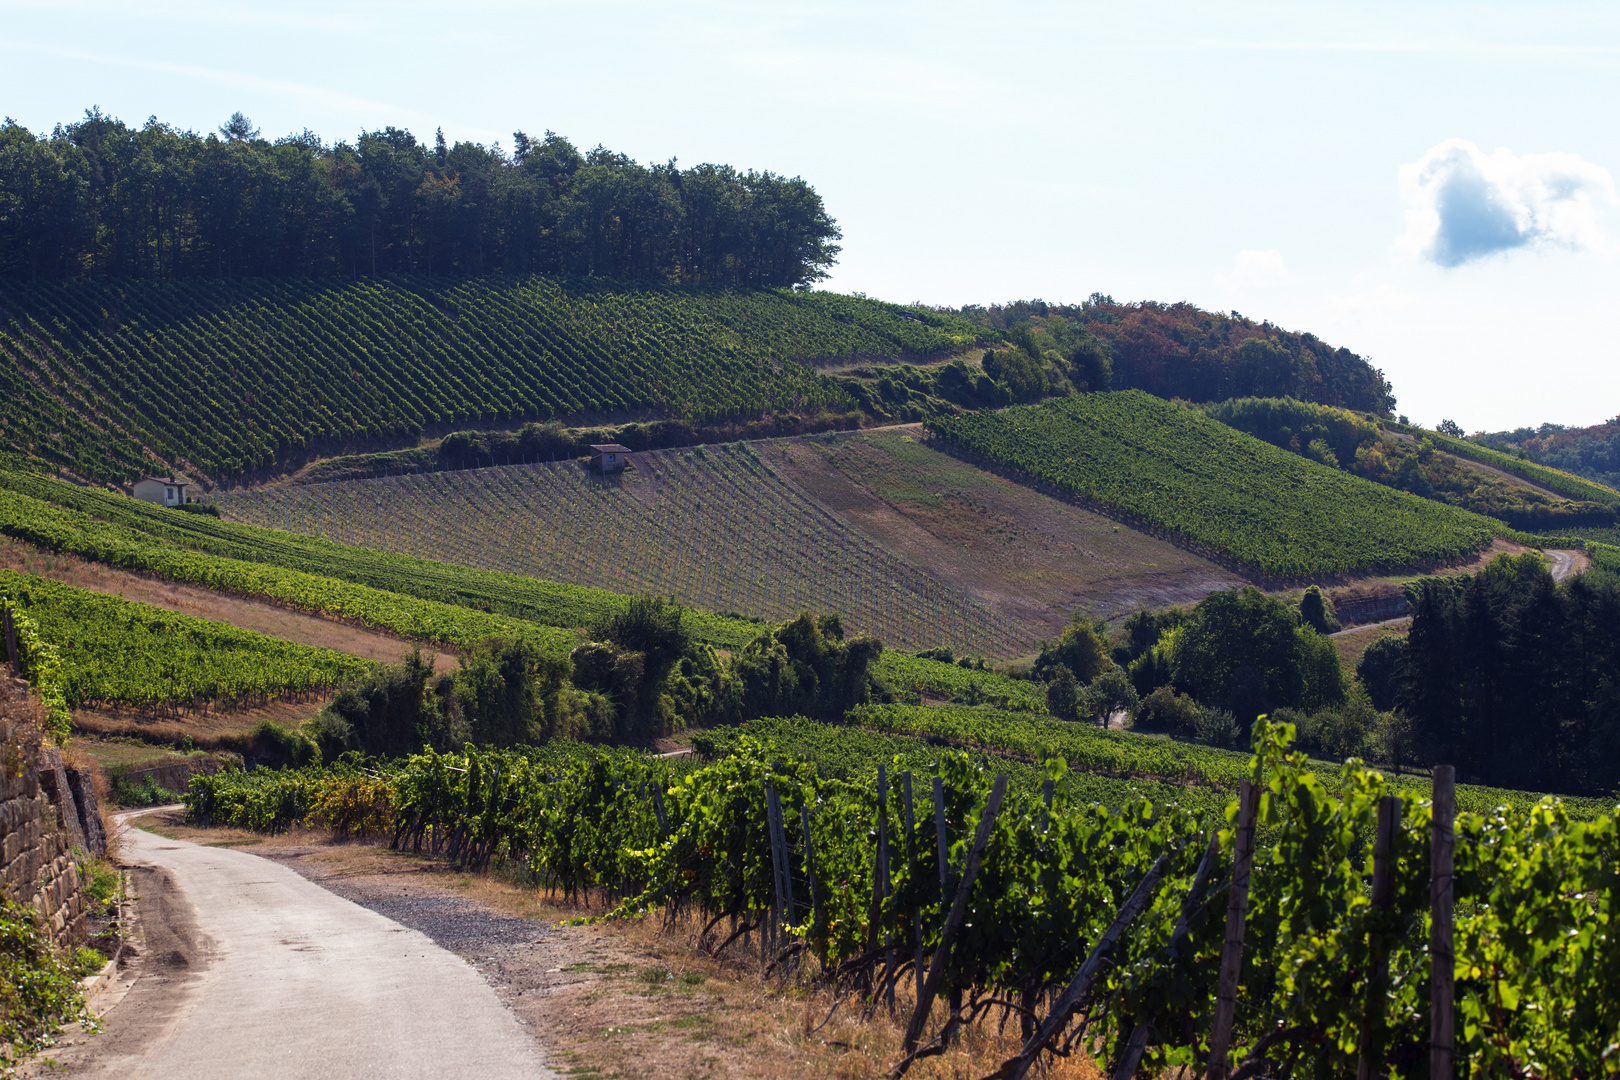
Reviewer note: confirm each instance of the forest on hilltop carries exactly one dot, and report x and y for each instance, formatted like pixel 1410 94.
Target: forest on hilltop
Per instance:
pixel 1592 452
pixel 1182 351
pixel 100 197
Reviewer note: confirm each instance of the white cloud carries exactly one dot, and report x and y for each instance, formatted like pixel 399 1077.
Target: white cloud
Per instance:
pixel 1254 269
pixel 1463 204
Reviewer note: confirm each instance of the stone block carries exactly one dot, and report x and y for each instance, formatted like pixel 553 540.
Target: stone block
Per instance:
pixel 55 782
pixel 82 784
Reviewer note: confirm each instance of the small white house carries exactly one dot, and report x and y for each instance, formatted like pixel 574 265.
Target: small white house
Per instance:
pixel 609 457
pixel 163 490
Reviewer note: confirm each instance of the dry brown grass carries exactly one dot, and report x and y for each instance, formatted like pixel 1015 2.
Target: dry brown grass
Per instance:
pixel 635 998
pixel 1352 645
pixel 207 731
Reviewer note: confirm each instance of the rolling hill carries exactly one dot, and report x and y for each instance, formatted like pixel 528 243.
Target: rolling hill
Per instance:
pixel 715 526
pixel 1590 452
pixel 1234 496
pixel 108 380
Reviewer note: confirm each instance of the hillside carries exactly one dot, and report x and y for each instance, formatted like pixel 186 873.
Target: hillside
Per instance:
pixel 1233 495
pixel 1552 479
pixel 715 526
pixel 1592 453
pixel 108 380
pixel 1033 559
pixel 414 599
pixel 124 654
pixel 417 599
pixel 1435 466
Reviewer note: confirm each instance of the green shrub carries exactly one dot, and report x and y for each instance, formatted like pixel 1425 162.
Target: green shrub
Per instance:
pixel 1216 727
pixel 87 961
pixel 1080 648
pixel 39 991
pixel 1110 692
pixel 1165 710
pixel 145 792
pixel 1063 694
pixel 1379 670
pixel 1316 612
pixel 100 881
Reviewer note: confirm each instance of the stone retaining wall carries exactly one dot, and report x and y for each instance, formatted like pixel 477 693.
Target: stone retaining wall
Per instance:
pixel 1360 610
pixel 36 833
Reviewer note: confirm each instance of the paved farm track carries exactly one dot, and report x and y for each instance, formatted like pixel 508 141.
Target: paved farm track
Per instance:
pixel 250 970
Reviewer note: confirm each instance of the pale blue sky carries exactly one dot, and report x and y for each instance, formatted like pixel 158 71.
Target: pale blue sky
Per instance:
pixel 977 152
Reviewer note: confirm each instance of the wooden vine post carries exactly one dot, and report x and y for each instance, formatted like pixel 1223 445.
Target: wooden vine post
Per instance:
pixel 944 842
pixel 1237 911
pixel 1136 1046
pixel 911 876
pixel 658 807
pixel 1442 961
pixel 809 861
pixel 1383 895
pixel 953 921
pixel 781 867
pixel 880 888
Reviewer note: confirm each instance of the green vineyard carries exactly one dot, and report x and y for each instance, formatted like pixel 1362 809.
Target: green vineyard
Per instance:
pixel 1106 762
pixel 1230 494
pixel 715 526
pixel 416 599
pixel 122 654
pixel 1016 891
pixel 110 380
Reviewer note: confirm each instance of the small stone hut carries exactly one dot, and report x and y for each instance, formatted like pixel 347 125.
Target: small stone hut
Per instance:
pixel 163 490
pixel 609 457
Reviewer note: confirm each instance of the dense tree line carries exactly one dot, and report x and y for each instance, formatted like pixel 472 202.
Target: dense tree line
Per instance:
pixel 1207 672
pixel 642 674
pixel 1512 677
pixel 99 197
pixel 1183 351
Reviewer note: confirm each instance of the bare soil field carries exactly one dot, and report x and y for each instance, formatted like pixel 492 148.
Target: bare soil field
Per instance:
pixel 267 619
pixel 620 999
pixel 1033 558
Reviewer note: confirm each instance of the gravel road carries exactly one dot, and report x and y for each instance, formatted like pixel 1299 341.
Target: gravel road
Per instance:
pixel 1563 563
pixel 253 971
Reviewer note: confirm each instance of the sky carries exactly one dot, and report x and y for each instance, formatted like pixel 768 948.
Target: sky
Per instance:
pixel 1429 185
